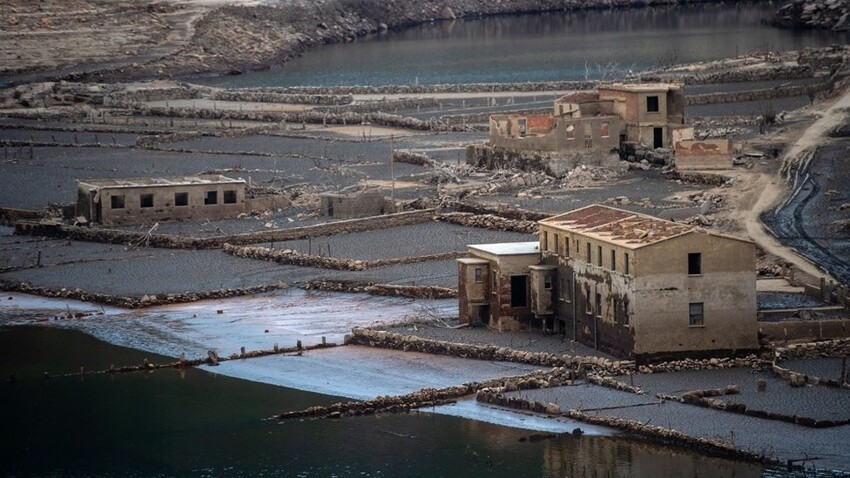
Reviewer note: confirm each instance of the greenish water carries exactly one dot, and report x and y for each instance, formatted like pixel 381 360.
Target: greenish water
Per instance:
pixel 195 423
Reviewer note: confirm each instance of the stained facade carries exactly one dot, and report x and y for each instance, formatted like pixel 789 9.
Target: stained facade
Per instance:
pixel 144 200
pixel 624 283
pixel 646 113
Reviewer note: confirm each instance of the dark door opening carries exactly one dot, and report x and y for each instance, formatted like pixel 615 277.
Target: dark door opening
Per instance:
pixel 484 314
pixel 519 291
pixel 657 137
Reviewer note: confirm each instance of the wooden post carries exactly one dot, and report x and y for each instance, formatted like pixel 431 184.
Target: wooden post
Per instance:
pixel 392 167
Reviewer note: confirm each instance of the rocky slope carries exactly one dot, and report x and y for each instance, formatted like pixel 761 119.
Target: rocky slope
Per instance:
pixel 829 14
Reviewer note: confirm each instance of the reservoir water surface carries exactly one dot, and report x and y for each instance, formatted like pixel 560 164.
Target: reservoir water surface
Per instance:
pixel 541 47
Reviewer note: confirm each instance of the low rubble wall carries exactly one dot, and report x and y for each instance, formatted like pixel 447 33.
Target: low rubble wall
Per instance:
pixel 387 290
pixel 135 301
pixel 265 96
pixel 391 340
pixel 756 95
pixel 830 348
pixel 489 221
pixel 701 398
pixel 427 397
pixel 112 236
pixel 655 433
pixel 289 256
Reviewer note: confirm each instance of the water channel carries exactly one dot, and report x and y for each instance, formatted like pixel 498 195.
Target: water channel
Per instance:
pixel 541 47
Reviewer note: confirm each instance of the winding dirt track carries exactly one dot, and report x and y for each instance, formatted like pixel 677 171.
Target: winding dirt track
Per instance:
pixel 768 189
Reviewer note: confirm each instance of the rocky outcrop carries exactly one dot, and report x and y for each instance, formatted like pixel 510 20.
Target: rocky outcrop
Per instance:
pixel 822 14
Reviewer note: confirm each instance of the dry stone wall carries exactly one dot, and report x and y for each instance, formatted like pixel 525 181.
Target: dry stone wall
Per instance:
pixel 289 256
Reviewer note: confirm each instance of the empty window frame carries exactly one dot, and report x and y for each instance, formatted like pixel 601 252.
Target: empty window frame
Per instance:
pixel 587 304
pixel 211 197
pixel 694 263
pixel 557 247
pixel 181 199
pixel 589 259
pixel 618 312
pixel 626 265
pixel 479 274
pixel 652 104
pixel 146 200
pixel 544 241
pixel 598 305
pixel 566 292
pixel 571 132
pixel 613 260
pixel 605 129
pixel 494 282
pixel 230 196
pixel 696 316
pixel 116 202
pixel 566 247
pixel 599 256
pixel 547 282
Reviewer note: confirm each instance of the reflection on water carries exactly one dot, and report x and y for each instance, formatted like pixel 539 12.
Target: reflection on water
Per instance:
pixel 199 424
pixel 551 46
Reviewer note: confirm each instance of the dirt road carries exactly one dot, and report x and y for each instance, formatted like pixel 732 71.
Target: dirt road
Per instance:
pixel 767 190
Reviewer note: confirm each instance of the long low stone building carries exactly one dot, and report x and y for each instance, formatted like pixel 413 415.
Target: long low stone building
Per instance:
pixel 144 200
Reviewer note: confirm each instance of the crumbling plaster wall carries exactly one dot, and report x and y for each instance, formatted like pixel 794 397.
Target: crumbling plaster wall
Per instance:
pixel 163 204
pixel 663 291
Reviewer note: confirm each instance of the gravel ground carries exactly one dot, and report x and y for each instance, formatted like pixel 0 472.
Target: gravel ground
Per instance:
pixel 406 241
pixel 109 268
pixel 282 219
pixel 585 397
pixel 531 341
pixel 779 397
pixel 162 271
pixel 821 367
pixel 45 136
pixel 23 251
pixel 786 300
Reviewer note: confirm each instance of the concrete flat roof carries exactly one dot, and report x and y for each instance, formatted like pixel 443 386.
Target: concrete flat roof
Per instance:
pixel 508 248
pixel 147 182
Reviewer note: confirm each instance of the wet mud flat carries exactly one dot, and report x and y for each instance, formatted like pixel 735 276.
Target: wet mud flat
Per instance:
pixel 432 237
pixel 814 220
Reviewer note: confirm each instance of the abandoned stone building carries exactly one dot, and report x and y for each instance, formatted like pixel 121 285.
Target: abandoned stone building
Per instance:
pixel 354 202
pixel 628 284
pixel 144 200
pixel 652 114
